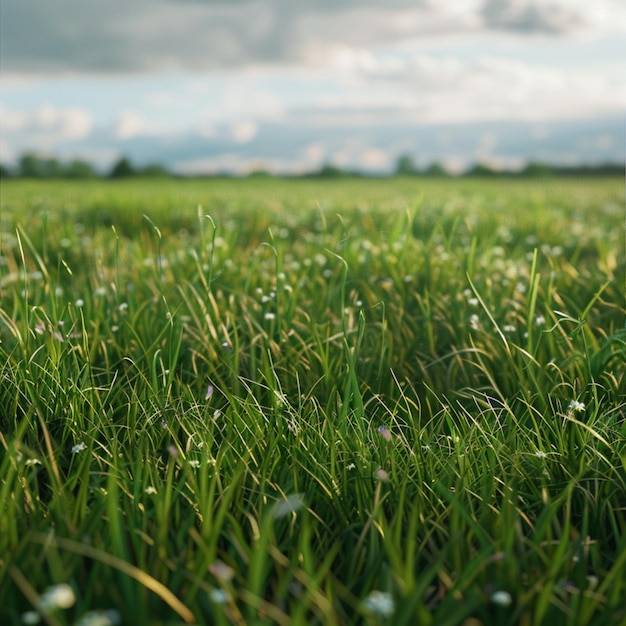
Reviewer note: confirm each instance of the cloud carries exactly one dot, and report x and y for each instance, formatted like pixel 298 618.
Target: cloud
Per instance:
pixel 47 124
pixel 422 88
pixel 168 35
pixel 129 124
pixel 534 16
pixel 244 132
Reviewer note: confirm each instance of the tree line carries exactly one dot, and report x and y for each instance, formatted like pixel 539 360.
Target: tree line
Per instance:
pixel 31 165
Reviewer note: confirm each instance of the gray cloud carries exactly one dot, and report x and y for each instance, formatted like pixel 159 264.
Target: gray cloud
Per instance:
pixel 192 35
pixel 119 36
pixel 535 17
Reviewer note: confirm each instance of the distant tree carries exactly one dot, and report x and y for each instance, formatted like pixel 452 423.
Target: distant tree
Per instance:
pixel 405 166
pixel 5 172
pixel 154 171
pixel 34 166
pixel 122 169
pixel 29 165
pixel 259 173
pixel 331 171
pixel 436 169
pixel 537 170
pixel 79 169
pixel 480 169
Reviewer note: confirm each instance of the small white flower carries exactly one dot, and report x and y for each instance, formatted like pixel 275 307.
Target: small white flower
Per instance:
pixel 576 407
pixel 269 316
pixel 509 328
pixel 382 475
pixel 380 602
pixel 32 462
pixel 218 596
pixel 80 302
pixel 475 322
pixel 194 463
pixel 221 571
pixel 540 320
pixel 284 507
pixel 57 597
pixel 540 454
pixel 78 448
pixel 472 301
pixel 501 598
pixel 150 490
pixel 31 617
pixel 350 466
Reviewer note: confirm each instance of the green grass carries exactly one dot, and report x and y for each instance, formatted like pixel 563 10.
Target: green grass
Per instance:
pixel 307 402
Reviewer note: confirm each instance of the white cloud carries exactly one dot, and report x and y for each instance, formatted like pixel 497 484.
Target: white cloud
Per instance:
pixel 423 88
pixel 313 154
pixel 48 124
pixel 129 124
pixel 162 35
pixel 375 159
pixel 245 131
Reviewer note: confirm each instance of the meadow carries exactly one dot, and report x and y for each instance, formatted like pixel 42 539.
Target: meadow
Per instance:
pixel 266 401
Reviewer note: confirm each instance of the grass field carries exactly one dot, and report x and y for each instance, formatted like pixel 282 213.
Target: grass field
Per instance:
pixel 313 402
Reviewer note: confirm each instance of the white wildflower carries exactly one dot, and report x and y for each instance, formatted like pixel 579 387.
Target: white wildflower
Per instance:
pixel 218 596
pixel 382 475
pixel 380 602
pixel 57 597
pixel 31 617
pixel 576 407
pixel 284 507
pixel 501 598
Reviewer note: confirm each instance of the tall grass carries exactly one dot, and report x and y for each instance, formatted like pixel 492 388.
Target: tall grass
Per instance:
pixel 290 402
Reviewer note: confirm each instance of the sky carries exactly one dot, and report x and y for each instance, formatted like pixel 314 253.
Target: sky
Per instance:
pixel 204 86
